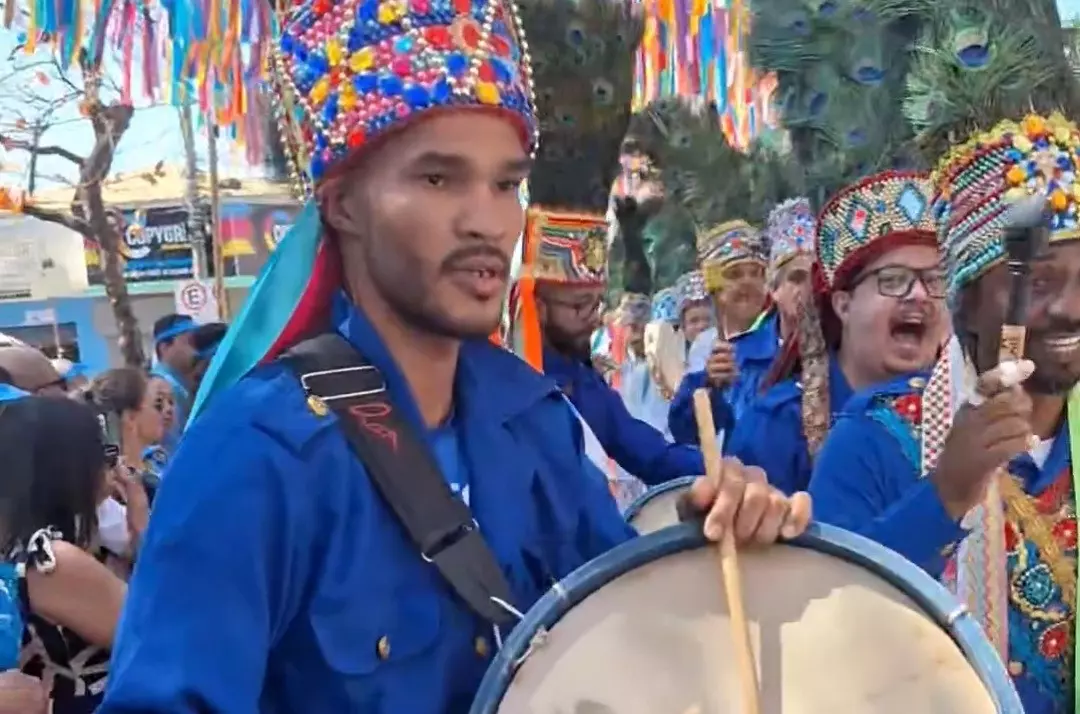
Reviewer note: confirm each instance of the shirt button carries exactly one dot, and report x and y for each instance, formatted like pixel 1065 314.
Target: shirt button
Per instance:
pixel 1016 669
pixel 382 647
pixel 481 647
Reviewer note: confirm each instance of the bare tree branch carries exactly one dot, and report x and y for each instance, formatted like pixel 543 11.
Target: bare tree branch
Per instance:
pixel 63 218
pixel 28 146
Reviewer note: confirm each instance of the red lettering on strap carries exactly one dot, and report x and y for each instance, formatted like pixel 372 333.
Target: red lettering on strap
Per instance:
pixel 370 416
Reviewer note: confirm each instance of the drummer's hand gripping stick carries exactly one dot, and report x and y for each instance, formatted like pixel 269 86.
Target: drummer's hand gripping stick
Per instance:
pixel 729 562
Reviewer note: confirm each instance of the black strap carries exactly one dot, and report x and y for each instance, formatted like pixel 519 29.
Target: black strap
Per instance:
pixel 405 473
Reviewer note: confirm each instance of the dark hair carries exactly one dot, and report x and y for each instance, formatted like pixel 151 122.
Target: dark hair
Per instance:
pixel 119 390
pixel 166 324
pixel 54 463
pixel 208 336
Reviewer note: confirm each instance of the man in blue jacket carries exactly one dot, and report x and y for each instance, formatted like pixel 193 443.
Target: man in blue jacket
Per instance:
pixel 280 573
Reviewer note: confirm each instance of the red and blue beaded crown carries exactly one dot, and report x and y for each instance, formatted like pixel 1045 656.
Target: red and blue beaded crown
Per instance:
pixel 872 215
pixel 978 180
pixel 347 72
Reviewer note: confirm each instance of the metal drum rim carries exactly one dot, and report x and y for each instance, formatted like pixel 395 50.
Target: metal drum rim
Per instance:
pixel 667 487
pixel 930 596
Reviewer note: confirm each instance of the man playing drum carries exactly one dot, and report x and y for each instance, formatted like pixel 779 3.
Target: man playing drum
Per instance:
pixel 735 370
pixel 915 468
pixel 281 572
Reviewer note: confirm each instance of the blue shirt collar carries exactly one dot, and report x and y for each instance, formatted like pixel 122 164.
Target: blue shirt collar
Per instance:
pixel 761 343
pixel 490 383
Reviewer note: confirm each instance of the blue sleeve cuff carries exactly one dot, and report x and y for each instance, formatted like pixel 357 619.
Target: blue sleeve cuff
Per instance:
pixel 681 420
pixel 919 528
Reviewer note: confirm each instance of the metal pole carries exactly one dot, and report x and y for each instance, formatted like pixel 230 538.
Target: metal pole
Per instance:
pixel 215 219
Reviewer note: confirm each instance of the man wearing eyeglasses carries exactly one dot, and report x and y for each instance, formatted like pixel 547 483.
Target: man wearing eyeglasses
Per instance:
pixel 875 321
pixel 568 295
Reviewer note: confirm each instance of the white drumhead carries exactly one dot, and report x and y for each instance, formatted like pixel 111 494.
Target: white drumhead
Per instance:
pixel 829 637
pixel 657 512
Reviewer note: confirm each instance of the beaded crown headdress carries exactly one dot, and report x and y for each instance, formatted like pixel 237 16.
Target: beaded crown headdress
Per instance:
pixel 690 288
pixel 789 231
pixel 978 181
pixel 665 305
pixel 346 73
pixel 725 245
pixel 872 215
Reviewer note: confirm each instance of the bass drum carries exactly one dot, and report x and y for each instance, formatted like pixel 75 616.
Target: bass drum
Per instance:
pixel 839 625
pixel 656 508
pixel 665 353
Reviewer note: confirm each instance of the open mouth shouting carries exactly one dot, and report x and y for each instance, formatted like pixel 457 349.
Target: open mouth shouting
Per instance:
pixel 909 332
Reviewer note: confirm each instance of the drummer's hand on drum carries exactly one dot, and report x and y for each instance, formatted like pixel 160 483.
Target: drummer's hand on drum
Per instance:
pixel 742 499
pixel 986 434
pixel 720 369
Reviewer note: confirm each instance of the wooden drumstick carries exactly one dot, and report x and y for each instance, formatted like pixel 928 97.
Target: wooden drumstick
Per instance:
pixel 1026 236
pixel 729 562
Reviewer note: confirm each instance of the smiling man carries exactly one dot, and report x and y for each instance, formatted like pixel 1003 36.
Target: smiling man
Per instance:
pixel 908 463
pixel 369 488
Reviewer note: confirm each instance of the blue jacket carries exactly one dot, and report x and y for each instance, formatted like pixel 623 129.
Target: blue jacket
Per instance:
pixel 770 432
pixel 867 479
pixel 274 580
pixel 755 351
pixel 637 447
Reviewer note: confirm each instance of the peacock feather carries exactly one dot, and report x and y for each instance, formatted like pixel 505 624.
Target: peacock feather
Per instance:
pixel 705 175
pixel 977 63
pixel 671 244
pixel 840 67
pixel 582 63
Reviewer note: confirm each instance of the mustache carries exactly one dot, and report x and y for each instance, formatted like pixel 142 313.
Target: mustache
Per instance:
pixel 454 261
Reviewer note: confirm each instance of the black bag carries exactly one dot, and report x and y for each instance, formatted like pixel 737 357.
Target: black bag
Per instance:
pixel 441 526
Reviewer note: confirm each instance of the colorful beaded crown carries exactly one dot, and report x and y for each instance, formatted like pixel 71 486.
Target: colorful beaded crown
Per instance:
pixel 979 180
pixel 347 72
pixel 890 205
pixel 633 309
pixel 690 287
pixel 726 244
pixel 665 305
pixel 789 231
pixel 564 247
